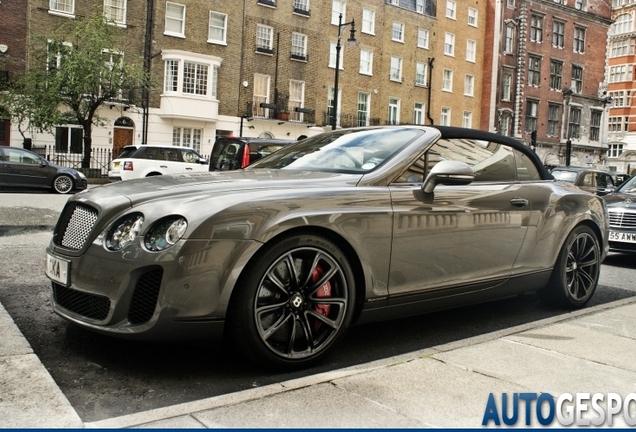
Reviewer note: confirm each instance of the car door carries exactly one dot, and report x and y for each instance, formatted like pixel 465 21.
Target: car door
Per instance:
pixel 459 235
pixel 24 169
pixel 192 161
pixel 604 183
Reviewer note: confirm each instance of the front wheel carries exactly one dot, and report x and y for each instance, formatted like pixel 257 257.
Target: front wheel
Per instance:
pixel 62 184
pixel 576 272
pixel 294 303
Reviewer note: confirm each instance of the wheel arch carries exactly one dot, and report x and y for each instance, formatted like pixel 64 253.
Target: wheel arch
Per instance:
pixel 352 257
pixel 153 173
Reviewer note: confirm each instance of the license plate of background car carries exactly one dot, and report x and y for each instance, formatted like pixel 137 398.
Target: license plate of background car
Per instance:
pixel 622 237
pixel 57 269
pixel 115 164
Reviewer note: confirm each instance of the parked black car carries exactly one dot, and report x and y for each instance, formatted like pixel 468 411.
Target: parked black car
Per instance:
pixel 230 153
pixel 621 205
pixel 589 179
pixel 21 168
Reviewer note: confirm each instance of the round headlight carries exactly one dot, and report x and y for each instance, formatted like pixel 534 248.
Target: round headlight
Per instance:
pixel 123 232
pixel 165 233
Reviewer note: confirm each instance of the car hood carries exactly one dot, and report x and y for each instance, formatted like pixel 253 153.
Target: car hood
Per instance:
pixel 216 183
pixel 621 200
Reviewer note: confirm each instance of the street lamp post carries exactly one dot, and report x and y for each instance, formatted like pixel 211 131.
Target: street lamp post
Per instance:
pixel 351 40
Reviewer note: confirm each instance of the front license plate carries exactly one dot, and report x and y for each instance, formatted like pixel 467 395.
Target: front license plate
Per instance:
pixel 622 237
pixel 57 269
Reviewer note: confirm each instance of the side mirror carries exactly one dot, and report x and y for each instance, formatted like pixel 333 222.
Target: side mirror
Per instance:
pixel 448 173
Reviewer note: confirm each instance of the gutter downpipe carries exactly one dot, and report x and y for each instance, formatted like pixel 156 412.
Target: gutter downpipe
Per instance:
pixel 147 64
pixel 430 89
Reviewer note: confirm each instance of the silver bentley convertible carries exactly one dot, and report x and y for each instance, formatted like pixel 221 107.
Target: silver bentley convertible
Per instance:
pixel 342 228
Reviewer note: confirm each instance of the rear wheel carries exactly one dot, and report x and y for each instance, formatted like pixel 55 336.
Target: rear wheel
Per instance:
pixel 576 272
pixel 62 184
pixel 294 304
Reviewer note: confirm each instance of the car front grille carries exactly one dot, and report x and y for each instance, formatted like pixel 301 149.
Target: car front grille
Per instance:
pixel 621 219
pixel 144 299
pixel 75 226
pixel 87 305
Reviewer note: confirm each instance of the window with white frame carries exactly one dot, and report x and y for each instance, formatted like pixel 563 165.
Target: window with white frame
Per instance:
pixel 422 38
pixel 66 7
pixel 451 9
pixel 363 109
pixel 187 137
pixel 622 48
pixel 447 80
pixel 471 50
pixel 467 119
pixel 398 32
pixel 299 46
pixel 615 150
pixel 532 109
pixel 418 113
pixel 534 70
pixel 190 76
pixel 113 60
pixel 175 19
pixel 575 122
pixel 332 56
pixel 264 39
pixel 301 6
pixel 396 69
pixel 55 54
pixel 536 28
pixel 449 44
pixel 506 86
pixel 509 39
pixel 469 85
pixel 366 62
pixel 260 95
pixel 68 139
pixel 623 24
pixel 577 79
pixel 445 119
pixel 579 39
pixel 554 113
pixel 368 21
pixel 595 125
pixel 580 4
pixel 217 32
pixel 115 10
pixel 419 6
pixel 420 74
pixel 338 7
pixel 472 16
pixel 296 99
pixel 394 111
pixel 504 124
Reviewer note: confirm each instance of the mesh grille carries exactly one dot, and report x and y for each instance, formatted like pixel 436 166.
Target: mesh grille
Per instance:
pixel 621 219
pixel 87 305
pixel 75 226
pixel 144 298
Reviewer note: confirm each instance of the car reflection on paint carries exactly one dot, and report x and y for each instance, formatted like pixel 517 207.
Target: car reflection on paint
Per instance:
pixel 342 228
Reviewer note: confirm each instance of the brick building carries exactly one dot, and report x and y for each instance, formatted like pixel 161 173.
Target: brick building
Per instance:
pixel 621 127
pixel 545 76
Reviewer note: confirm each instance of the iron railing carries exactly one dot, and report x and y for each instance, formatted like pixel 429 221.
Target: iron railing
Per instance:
pixel 100 160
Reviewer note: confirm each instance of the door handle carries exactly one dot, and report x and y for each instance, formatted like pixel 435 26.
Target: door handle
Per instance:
pixel 519 202
pixel 163 166
pixel 188 169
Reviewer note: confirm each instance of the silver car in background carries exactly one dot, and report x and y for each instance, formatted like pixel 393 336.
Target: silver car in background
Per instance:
pixel 343 228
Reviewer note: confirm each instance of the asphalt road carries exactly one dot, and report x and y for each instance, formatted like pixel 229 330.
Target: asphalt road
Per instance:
pixel 105 377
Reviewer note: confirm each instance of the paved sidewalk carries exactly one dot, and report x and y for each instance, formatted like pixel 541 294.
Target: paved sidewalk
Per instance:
pixel 591 351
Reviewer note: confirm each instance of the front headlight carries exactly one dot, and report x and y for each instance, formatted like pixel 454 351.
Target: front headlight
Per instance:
pixel 123 232
pixel 165 233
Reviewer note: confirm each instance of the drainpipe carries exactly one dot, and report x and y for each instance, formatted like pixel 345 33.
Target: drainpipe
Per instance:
pixel 147 63
pixel 430 89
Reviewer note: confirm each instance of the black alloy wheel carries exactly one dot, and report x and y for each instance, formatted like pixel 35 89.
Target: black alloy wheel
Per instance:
pixel 577 270
pixel 295 304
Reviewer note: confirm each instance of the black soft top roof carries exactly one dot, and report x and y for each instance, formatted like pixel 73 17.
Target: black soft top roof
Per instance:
pixel 456 132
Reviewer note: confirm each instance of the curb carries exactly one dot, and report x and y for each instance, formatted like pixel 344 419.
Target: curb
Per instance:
pixel 184 409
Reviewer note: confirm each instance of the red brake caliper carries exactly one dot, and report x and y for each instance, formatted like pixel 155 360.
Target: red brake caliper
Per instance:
pixel 323 291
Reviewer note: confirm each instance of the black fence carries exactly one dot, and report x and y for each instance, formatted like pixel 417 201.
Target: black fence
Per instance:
pixel 100 160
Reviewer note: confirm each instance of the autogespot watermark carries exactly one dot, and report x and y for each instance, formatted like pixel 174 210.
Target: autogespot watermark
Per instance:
pixel 578 409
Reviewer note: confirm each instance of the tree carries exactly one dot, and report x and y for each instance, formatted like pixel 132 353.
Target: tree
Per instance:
pixel 73 72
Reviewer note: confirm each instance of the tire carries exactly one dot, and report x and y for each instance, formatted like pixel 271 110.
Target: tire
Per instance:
pixel 293 304
pixel 62 184
pixel 576 272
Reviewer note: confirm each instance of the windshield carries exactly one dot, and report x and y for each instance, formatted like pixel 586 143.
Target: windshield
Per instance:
pixel 629 186
pixel 567 176
pixel 347 151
